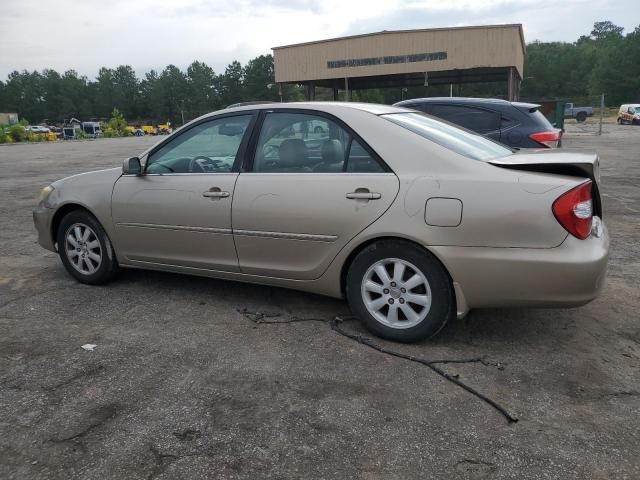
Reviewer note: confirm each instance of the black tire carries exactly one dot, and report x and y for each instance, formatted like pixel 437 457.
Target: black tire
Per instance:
pixel 581 117
pixel 104 270
pixel 442 307
pixel 619 121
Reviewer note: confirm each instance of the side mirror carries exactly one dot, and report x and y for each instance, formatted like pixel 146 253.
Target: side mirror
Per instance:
pixel 131 166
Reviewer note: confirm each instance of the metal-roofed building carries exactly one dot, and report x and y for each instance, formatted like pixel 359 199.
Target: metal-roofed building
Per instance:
pixel 491 53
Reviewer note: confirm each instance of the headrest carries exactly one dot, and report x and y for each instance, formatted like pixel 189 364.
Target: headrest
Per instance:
pixel 293 152
pixel 332 151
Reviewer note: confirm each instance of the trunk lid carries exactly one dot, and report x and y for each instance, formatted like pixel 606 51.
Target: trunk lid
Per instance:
pixel 576 164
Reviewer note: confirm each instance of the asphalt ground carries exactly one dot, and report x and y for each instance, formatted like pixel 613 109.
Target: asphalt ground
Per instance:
pixel 182 384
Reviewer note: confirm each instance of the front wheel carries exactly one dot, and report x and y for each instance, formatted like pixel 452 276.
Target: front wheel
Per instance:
pixel 85 249
pixel 400 291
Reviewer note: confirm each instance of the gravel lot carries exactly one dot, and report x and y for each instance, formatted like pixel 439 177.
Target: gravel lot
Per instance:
pixel 182 385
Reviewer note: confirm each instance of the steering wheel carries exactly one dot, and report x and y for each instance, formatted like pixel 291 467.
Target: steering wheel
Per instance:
pixel 195 167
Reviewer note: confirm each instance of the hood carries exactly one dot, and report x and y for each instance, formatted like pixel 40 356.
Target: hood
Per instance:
pixel 109 175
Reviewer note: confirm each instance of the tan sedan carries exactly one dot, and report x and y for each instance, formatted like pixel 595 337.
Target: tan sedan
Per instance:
pixel 412 219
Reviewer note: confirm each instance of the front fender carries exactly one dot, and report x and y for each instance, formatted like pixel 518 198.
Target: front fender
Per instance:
pixel 91 190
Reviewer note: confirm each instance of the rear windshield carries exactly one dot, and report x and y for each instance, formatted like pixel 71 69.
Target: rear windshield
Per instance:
pixel 461 141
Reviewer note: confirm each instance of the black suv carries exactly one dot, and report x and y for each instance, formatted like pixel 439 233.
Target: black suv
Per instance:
pixel 519 125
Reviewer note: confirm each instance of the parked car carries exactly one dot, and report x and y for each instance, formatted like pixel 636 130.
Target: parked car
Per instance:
pixel 579 113
pixel 629 114
pixel 37 129
pixel 412 219
pixel 519 125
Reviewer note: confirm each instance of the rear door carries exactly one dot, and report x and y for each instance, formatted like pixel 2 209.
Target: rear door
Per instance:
pixel 306 193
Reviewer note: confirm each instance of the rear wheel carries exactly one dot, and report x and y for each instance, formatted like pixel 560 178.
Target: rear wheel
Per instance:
pixel 85 249
pixel 400 291
pixel 581 117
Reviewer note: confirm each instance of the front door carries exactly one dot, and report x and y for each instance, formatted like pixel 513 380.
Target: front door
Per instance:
pixel 312 187
pixel 179 212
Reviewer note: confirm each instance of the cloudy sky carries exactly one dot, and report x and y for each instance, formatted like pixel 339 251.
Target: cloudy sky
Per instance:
pixel 86 34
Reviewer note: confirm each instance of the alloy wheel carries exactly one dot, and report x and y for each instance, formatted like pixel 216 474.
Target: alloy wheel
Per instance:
pixel 83 248
pixel 396 293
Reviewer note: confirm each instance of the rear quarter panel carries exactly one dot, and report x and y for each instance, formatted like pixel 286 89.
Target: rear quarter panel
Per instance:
pixel 501 208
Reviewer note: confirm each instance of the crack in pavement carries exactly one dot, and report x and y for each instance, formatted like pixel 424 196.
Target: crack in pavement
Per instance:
pixel 98 417
pixel 82 373
pixel 259 317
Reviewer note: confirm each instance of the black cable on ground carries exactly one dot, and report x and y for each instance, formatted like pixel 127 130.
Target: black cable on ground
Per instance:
pixel 258 317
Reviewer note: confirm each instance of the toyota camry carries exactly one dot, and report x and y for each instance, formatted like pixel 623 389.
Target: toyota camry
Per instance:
pixel 411 219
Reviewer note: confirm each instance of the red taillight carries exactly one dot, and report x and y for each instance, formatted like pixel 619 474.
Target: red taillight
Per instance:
pixel 548 139
pixel 574 210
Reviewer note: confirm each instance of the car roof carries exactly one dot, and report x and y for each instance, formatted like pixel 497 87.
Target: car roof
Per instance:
pixel 374 108
pixel 467 101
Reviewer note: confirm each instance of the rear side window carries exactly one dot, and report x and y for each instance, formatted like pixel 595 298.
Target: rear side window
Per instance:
pixel 538 118
pixel 449 136
pixel 309 143
pixel 476 119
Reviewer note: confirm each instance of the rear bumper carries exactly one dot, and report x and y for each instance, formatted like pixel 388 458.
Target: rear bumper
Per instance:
pixel 566 276
pixel 42 217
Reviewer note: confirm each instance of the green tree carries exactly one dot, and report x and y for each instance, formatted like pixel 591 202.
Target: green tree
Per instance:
pixel 606 29
pixel 125 94
pixel 259 80
pixel 231 84
pixel 173 88
pixel 202 95
pixel 116 126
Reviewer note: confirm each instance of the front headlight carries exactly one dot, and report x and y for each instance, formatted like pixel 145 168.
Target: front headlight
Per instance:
pixel 44 194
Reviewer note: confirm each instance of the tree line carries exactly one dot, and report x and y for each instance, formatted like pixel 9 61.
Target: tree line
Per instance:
pixel 159 96
pixel 606 61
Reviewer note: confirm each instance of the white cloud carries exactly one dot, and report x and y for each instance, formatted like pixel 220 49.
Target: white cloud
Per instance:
pixel 152 34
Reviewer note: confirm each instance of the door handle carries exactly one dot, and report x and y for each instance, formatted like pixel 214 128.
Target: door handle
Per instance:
pixel 363 195
pixel 215 192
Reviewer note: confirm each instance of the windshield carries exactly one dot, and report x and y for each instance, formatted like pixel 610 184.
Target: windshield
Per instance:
pixel 449 136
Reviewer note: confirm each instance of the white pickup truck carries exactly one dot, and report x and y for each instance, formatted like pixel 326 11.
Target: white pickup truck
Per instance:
pixel 579 113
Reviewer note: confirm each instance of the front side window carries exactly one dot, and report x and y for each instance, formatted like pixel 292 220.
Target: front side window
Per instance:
pixel 210 147
pixel 307 143
pixel 449 136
